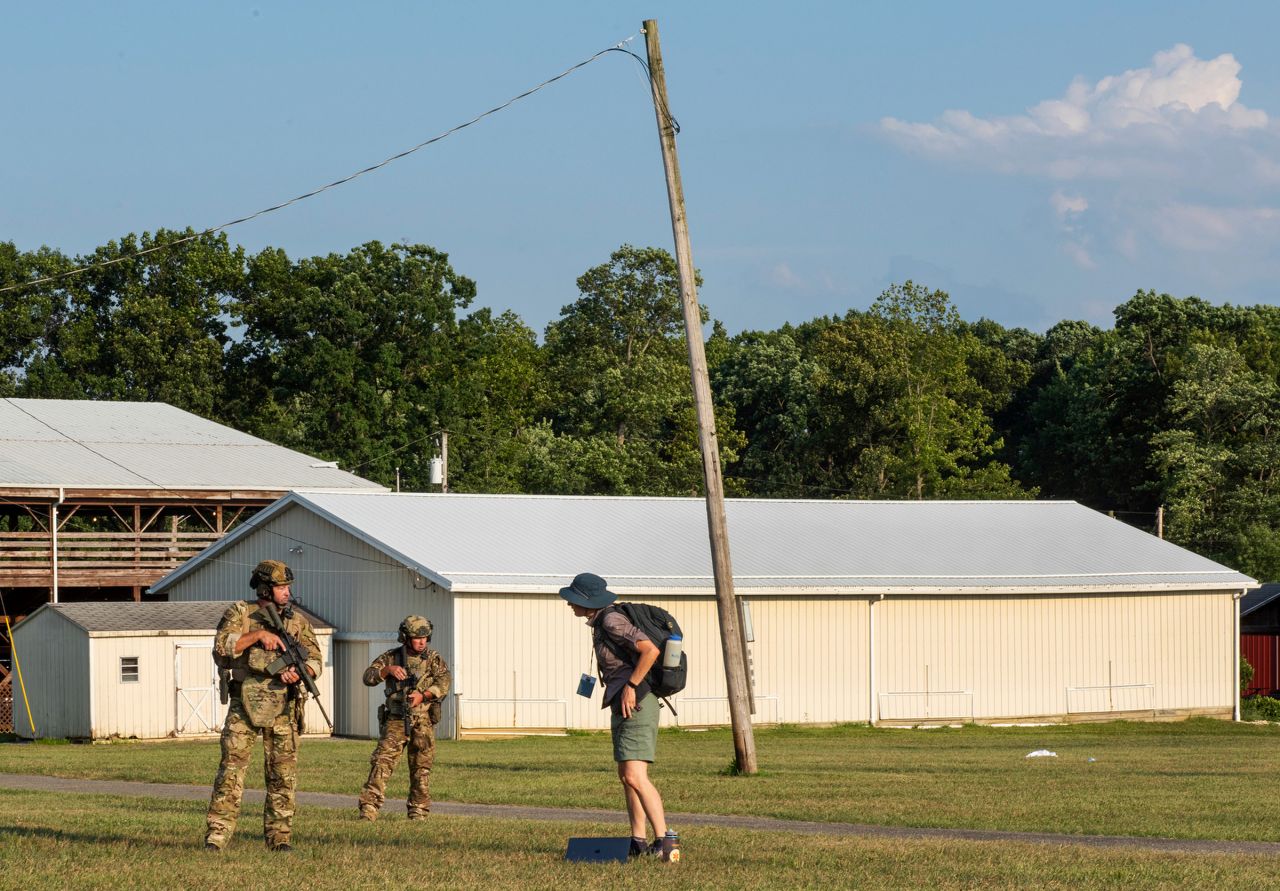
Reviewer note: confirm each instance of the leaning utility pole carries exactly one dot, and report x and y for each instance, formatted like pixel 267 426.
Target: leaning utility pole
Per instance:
pixel 731 634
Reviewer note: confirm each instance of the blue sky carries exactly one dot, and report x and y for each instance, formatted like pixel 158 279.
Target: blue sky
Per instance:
pixel 1039 163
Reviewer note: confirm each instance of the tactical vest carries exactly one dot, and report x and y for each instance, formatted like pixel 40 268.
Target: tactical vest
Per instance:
pixel 263 697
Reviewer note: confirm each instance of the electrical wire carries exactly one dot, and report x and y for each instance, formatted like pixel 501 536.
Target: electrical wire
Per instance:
pixel 618 47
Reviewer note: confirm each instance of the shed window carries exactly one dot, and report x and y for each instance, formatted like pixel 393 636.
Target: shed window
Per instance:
pixel 128 669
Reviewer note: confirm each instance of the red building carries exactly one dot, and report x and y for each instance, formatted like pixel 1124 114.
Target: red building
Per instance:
pixel 1260 638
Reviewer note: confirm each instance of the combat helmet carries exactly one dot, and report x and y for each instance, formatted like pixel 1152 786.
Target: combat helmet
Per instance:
pixel 268 574
pixel 415 626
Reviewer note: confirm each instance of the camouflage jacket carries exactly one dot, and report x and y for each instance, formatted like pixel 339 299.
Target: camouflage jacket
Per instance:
pixel 430 670
pixel 263 696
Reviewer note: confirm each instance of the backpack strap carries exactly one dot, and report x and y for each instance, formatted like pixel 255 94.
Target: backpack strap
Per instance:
pixel 599 634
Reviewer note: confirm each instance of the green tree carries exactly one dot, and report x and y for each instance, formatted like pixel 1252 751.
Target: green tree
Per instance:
pixel 499 378
pixel 26 312
pixel 1220 462
pixel 901 389
pixel 148 328
pixel 352 356
pixel 618 367
pixel 771 388
pixel 1091 424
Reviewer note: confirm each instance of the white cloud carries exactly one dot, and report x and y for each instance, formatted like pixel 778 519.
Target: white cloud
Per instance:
pixel 1198 227
pixel 1079 254
pixel 784 276
pixel 1165 156
pixel 1124 124
pixel 1068 209
pixel 1065 205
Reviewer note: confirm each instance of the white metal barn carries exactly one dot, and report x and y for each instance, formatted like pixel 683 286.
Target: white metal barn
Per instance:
pixel 887 612
pixel 134 670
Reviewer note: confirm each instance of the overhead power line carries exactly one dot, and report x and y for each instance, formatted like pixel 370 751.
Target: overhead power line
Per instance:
pixel 619 47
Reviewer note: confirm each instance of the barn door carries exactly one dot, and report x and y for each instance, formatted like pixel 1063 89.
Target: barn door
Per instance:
pixel 198 708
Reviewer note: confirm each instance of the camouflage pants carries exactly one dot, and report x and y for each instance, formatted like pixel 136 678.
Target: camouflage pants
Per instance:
pixel 422 754
pixel 280 754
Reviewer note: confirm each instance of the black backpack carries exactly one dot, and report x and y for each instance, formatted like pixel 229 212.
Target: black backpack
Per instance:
pixel 657 624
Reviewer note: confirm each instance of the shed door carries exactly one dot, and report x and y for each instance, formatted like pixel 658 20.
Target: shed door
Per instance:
pixel 198 708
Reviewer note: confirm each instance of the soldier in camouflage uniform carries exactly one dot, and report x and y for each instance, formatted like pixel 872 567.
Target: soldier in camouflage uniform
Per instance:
pixel 260 704
pixel 417 679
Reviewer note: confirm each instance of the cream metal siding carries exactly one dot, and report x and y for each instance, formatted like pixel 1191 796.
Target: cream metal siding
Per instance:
pixel 350 703
pixel 338 577
pixel 312 720
pixel 54 656
pixel 809 655
pixel 144 709
pixel 970 635
pixel 520 658
pixel 358 703
pixel 198 709
pixel 153 708
pixel 993 658
pixel 80 693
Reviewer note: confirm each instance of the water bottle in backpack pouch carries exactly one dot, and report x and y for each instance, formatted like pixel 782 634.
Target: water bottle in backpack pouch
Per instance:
pixel 664 632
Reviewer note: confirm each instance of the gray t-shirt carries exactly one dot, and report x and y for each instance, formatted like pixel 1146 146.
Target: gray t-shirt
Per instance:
pixel 615 671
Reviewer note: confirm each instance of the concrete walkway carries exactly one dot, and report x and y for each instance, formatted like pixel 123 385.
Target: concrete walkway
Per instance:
pixel 590 815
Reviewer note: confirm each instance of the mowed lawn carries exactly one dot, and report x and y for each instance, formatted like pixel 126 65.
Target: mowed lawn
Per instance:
pixel 101 842
pixel 1194 779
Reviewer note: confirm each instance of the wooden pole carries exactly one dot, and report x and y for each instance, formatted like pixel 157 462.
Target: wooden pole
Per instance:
pixel 1160 521
pixel 731 632
pixel 444 460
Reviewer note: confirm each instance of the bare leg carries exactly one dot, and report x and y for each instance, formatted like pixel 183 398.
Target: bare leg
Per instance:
pixel 643 799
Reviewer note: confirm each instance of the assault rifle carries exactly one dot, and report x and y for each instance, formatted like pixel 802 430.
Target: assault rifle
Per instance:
pixel 404 688
pixel 294 655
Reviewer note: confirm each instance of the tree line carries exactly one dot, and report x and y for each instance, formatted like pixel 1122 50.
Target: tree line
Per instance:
pixel 363 357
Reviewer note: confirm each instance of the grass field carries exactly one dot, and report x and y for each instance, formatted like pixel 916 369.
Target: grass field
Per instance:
pixel 1194 779
pixel 104 842
pixel 1197 779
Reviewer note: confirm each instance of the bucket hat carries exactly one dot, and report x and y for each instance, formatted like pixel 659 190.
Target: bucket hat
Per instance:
pixel 589 591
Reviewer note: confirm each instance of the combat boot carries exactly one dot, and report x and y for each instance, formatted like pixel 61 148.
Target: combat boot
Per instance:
pixel 368 813
pixel 213 843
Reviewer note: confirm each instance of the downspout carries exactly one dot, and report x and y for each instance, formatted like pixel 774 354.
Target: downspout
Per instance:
pixel 873 704
pixel 53 532
pixel 453 660
pixel 1235 646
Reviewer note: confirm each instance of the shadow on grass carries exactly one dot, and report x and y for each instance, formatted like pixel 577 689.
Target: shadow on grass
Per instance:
pixel 94 838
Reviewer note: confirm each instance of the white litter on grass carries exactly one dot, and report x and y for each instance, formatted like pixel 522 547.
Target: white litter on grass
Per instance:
pixel 1042 753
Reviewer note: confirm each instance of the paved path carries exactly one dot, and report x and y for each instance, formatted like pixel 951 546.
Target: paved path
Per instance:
pixel 590 815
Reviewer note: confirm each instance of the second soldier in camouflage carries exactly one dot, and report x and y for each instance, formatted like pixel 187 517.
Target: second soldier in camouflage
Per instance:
pixel 417 680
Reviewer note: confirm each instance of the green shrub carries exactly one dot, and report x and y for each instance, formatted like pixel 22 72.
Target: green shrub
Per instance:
pixel 1246 674
pixel 1260 708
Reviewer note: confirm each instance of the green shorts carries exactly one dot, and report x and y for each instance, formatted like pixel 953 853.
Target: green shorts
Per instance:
pixel 636 738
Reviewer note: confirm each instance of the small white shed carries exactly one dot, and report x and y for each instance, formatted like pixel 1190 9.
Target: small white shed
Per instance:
pixel 132 670
pixel 886 612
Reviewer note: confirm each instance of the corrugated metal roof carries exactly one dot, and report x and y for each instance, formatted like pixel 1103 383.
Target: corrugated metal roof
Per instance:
pixel 149 445
pixel 538 543
pixel 193 616
pixel 1258 598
